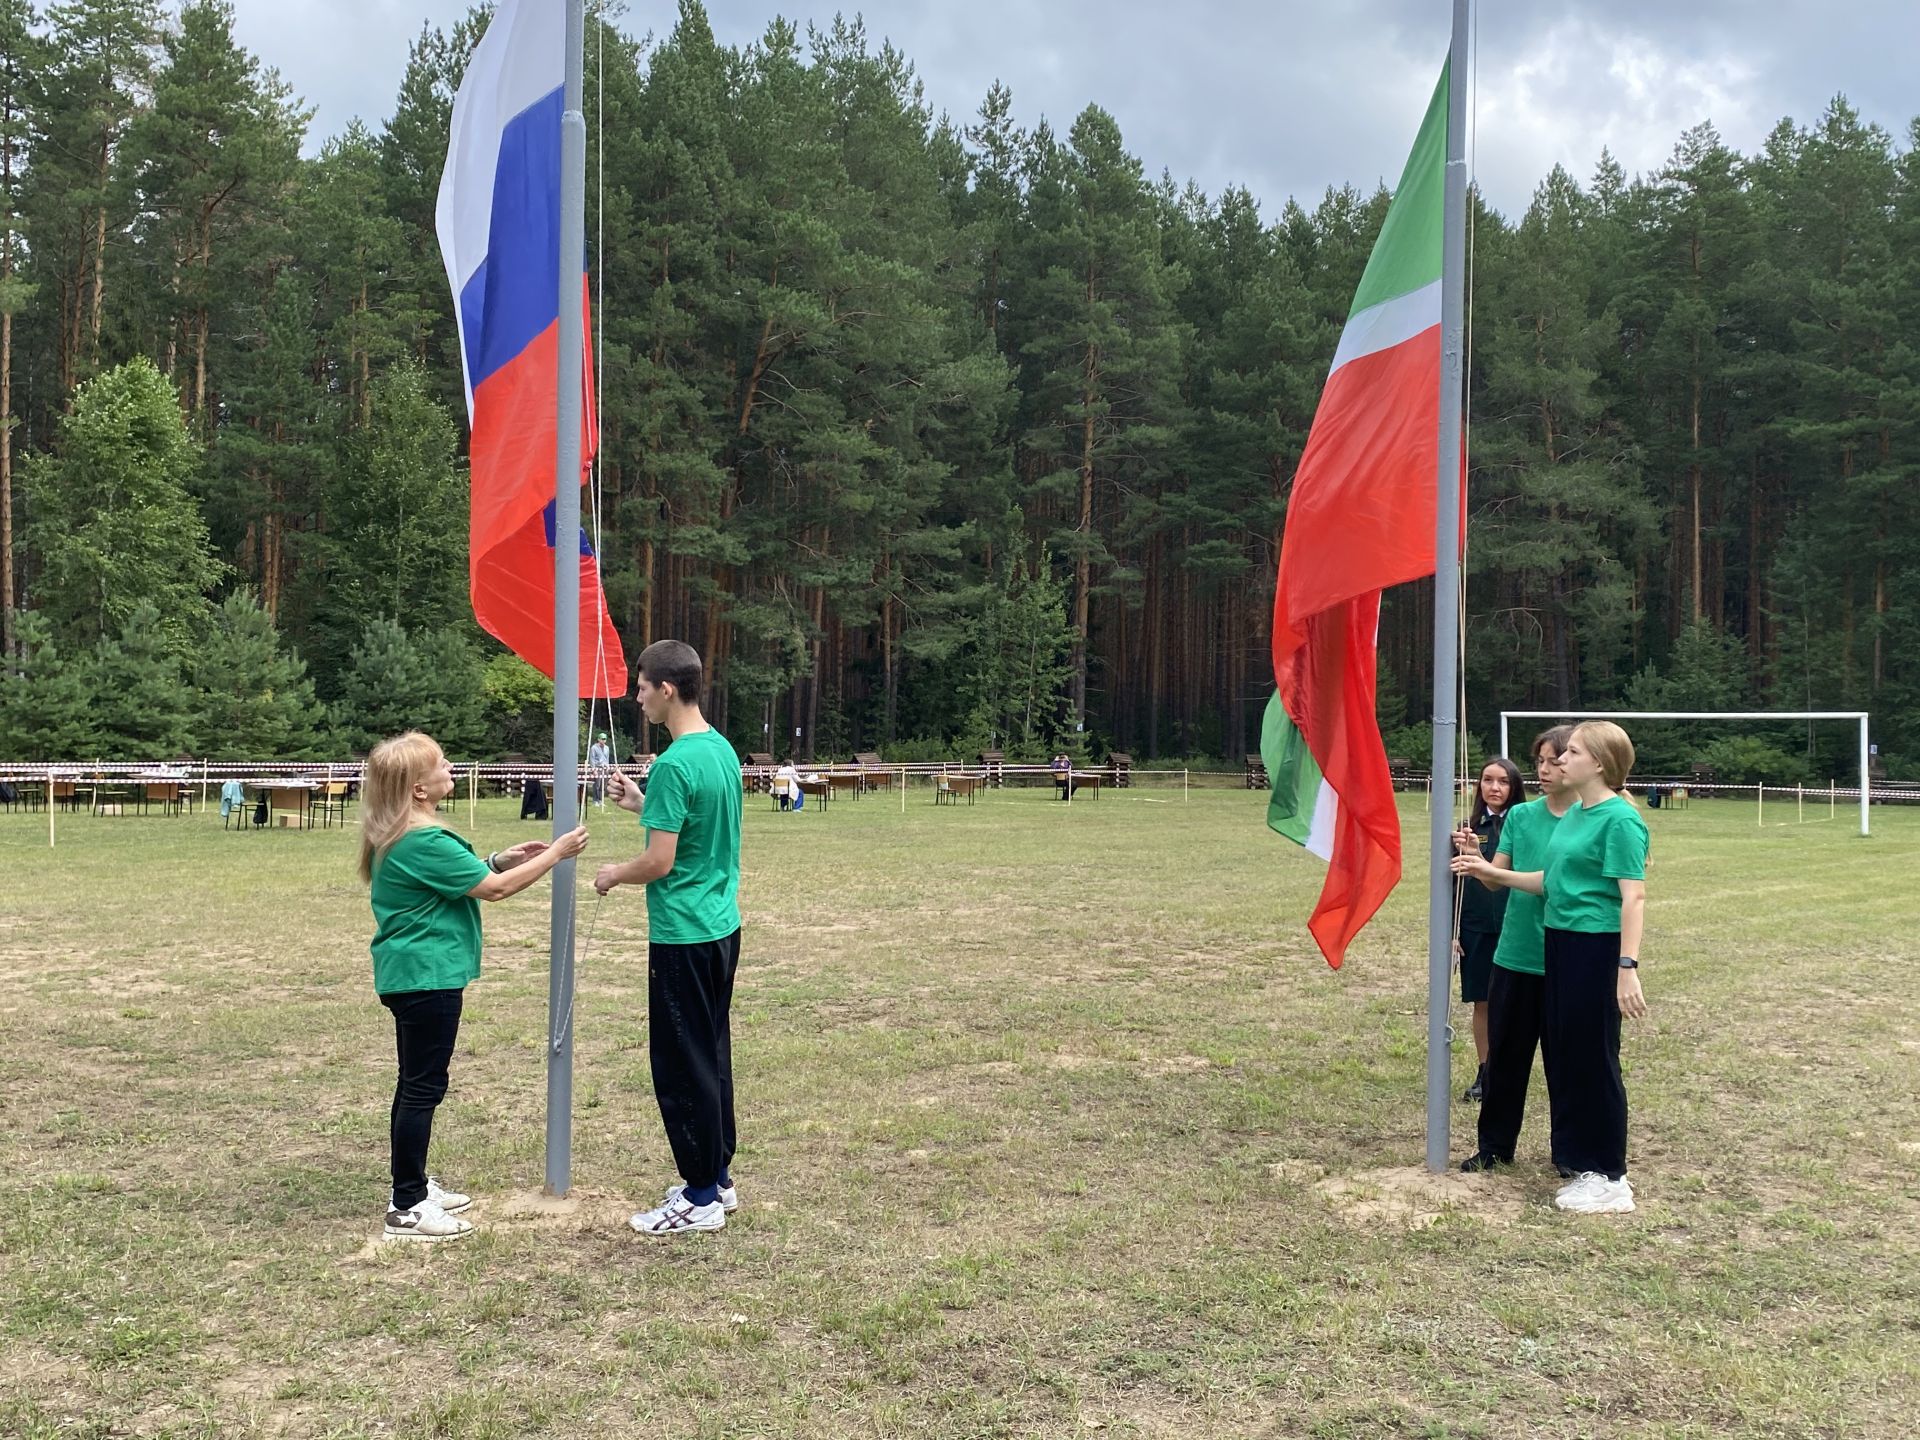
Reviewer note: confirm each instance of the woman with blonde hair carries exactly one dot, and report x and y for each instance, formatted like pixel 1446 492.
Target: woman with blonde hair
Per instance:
pixel 1594 882
pixel 425 883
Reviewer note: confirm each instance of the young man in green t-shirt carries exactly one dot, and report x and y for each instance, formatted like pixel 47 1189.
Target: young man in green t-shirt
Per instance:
pixel 691 868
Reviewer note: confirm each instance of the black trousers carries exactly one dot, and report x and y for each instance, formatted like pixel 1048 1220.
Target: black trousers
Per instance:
pixel 1516 1008
pixel 425 1025
pixel 1585 1091
pixel 690 1042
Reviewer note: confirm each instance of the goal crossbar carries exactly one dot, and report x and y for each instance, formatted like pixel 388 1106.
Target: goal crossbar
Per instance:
pixel 1858 716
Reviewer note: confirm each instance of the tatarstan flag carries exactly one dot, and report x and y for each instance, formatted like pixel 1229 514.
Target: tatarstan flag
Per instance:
pixel 1360 518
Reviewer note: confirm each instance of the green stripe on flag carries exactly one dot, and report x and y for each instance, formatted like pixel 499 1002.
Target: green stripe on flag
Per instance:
pixel 1407 254
pixel 1291 772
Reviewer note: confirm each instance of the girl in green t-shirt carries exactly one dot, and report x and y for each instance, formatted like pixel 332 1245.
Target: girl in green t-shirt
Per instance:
pixel 1594 884
pixel 425 883
pixel 1516 1003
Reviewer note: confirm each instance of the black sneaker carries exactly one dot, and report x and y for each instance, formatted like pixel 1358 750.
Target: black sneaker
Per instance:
pixel 1482 1160
pixel 1478 1089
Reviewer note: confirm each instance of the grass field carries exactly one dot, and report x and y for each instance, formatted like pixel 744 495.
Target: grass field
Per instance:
pixel 1053 1124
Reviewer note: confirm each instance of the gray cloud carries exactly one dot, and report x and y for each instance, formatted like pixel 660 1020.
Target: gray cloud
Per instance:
pixel 1284 98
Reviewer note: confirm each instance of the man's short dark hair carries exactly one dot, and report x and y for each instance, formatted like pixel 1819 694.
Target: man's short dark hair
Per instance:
pixel 675 663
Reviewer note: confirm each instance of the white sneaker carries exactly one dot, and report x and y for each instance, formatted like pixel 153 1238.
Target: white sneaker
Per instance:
pixel 729 1197
pixel 1583 1181
pixel 425 1221
pixel 1602 1197
pixel 677 1217
pixel 451 1201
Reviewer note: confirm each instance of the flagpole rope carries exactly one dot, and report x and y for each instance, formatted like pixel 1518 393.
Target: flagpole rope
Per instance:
pixel 595 472
pixel 557 1036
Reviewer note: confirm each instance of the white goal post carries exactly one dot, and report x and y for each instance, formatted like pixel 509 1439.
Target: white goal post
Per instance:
pixel 1859 716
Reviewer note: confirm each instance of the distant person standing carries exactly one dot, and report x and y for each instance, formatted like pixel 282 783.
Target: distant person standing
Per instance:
pixel 599 757
pixel 691 868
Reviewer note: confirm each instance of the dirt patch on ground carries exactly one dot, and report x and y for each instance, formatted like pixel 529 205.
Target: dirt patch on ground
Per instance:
pixel 1066 1060
pixel 1297 1172
pixel 537 1210
pixel 582 1212
pixel 1411 1198
pixel 1161 1067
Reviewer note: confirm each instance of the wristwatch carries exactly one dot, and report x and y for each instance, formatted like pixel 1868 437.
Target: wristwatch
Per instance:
pixel 1627 962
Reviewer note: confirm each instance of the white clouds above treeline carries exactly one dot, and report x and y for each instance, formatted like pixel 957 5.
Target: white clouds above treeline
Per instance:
pixel 1285 98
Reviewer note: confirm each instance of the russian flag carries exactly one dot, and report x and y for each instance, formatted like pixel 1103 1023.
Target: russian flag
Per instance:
pixel 498 220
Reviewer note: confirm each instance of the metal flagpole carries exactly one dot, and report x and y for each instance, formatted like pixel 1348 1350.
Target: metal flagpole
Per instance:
pixel 1446 598
pixel 566 605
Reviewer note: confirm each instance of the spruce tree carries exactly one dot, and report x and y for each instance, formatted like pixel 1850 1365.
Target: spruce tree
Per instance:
pixel 47 705
pixel 114 522
pixel 254 700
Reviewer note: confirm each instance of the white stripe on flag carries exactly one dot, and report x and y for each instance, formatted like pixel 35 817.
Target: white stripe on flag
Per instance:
pixel 521 59
pixel 1390 323
pixel 1326 806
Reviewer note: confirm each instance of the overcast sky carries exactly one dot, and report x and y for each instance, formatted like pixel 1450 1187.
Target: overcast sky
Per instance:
pixel 1282 96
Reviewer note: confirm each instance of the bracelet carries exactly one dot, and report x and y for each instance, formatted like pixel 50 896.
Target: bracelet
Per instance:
pixel 490 862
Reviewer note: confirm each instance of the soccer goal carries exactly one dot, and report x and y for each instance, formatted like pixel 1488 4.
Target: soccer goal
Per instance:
pixel 1857 716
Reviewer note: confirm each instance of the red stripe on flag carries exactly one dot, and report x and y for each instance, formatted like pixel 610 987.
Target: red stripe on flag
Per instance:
pixel 513 601
pixel 510 565
pixel 1360 518
pixel 1327 687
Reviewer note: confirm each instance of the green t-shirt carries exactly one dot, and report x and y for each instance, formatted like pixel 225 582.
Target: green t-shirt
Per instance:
pixel 1482 910
pixel 694 791
pixel 426 927
pixel 1523 935
pixel 1592 850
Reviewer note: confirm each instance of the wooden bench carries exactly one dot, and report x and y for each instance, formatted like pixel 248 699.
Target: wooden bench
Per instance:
pixel 873 770
pixel 952 787
pixel 760 768
pixel 1257 773
pixel 991 762
pixel 1121 764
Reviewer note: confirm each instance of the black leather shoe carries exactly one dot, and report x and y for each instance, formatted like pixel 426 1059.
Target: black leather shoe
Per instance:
pixel 1478 1088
